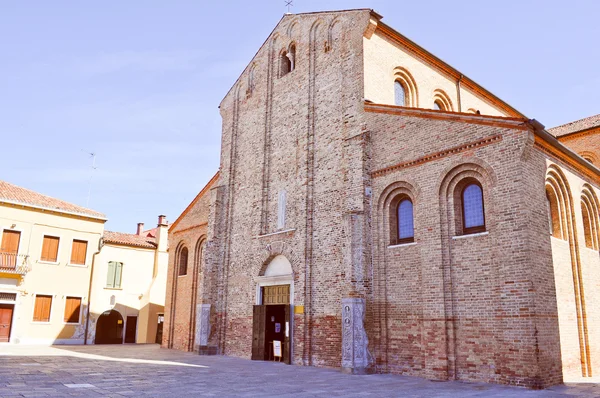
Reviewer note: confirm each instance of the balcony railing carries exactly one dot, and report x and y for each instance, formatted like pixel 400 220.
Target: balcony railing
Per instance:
pixel 12 263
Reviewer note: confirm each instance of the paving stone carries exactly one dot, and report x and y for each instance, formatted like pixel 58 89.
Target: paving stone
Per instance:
pixel 100 367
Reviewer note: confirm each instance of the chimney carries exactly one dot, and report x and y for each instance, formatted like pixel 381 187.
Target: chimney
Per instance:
pixel 140 229
pixel 161 233
pixel 162 221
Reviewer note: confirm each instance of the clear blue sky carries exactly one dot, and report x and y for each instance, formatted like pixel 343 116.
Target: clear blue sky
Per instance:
pixel 139 81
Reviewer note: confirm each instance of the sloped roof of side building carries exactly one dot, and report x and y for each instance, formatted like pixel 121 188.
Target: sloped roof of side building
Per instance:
pixel 14 195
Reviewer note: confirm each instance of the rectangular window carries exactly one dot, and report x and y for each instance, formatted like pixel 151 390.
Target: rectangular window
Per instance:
pixel 50 249
pixel 281 210
pixel 72 309
pixel 78 252
pixel 41 310
pixel 113 276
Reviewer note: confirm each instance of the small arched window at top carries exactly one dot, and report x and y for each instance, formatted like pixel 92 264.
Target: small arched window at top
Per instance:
pixel 183 261
pixel 399 94
pixel 472 209
pixel 292 56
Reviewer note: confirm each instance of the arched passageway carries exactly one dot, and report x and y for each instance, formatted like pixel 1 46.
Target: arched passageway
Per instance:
pixel 109 329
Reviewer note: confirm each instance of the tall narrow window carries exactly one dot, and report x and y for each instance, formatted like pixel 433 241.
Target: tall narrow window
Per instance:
pixel 114 275
pixel 472 209
pixel 78 252
pixel 41 309
pixel 553 213
pixel 292 56
pixel 50 249
pixel 406 231
pixel 399 94
pixel 72 309
pixel 587 226
pixel 281 210
pixel 285 65
pixel 183 261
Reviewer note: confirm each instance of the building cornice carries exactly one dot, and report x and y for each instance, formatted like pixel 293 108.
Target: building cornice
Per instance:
pixel 438 155
pixel 497 121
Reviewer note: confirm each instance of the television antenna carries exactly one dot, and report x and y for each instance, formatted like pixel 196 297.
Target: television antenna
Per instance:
pixel 93 156
pixel 289 4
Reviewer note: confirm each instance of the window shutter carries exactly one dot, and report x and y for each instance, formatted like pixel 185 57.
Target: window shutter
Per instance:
pixel 72 307
pixel 118 271
pixel 78 252
pixel 37 309
pixel 41 310
pixel 110 275
pixel 50 249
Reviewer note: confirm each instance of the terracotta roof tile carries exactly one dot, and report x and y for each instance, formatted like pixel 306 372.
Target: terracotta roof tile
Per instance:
pixel 120 238
pixel 10 193
pixel 577 125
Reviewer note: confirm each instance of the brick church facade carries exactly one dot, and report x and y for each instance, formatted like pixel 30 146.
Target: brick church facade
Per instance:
pixel 378 211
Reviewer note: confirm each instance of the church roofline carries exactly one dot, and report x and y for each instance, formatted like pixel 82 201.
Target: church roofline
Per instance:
pixel 195 200
pixel 275 28
pixel 440 64
pixel 543 139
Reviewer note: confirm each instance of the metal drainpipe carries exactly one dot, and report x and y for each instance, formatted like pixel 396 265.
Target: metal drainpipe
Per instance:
pixel 87 319
pixel 458 93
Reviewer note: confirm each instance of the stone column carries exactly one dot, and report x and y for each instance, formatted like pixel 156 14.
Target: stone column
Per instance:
pixel 356 358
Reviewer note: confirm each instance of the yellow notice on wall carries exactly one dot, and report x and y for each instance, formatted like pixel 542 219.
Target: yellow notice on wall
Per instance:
pixel 299 309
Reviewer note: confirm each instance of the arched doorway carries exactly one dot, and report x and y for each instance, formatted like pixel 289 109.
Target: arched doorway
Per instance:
pixel 272 314
pixel 109 328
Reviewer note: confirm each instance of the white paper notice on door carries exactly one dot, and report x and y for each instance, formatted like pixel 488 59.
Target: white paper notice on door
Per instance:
pixel 287 329
pixel 276 348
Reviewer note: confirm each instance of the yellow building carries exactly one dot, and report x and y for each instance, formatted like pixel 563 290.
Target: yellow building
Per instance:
pixel 46 255
pixel 64 280
pixel 128 287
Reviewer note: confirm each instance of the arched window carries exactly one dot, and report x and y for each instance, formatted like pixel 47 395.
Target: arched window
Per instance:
pixel 399 94
pixel 401 219
pixel 553 213
pixel 589 215
pixel 472 209
pixel 292 56
pixel 441 101
pixel 587 226
pixel 183 261
pixel 285 65
pixel 404 214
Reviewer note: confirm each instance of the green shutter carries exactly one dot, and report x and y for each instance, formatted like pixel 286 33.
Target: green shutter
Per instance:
pixel 118 271
pixel 110 276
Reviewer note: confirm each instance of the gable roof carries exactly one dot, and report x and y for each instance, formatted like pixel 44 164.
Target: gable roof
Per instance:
pixel 13 194
pixel 196 199
pixel 576 126
pixel 413 48
pixel 121 238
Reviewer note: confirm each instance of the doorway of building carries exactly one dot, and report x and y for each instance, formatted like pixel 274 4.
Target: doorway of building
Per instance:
pixel 6 315
pixel 109 329
pixel 159 328
pixel 271 324
pixel 130 329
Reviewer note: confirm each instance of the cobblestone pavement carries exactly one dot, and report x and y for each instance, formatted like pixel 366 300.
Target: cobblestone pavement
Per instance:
pixel 147 370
